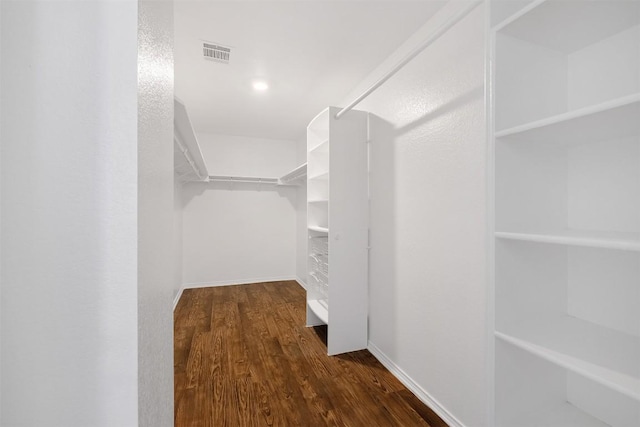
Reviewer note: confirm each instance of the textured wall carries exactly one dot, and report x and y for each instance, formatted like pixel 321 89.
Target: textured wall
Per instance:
pixel 155 213
pixel 69 161
pixel 177 237
pixel 428 217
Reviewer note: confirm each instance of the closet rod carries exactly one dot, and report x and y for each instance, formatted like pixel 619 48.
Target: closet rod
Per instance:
pixel 432 38
pixel 257 180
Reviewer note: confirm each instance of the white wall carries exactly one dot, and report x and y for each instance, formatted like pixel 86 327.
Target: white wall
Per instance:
pixel 301 219
pixel 0 217
pixel 69 206
pixel 155 213
pixel 177 237
pixel 239 233
pixel 428 286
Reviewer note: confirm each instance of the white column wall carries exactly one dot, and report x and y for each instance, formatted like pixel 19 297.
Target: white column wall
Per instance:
pixel 177 238
pixel 68 215
pixel 301 219
pixel 155 213
pixel 428 278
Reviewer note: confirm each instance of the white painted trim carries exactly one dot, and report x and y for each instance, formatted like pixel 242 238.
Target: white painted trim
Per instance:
pixel 489 93
pixel 413 386
pixel 177 298
pixel 301 282
pixel 231 282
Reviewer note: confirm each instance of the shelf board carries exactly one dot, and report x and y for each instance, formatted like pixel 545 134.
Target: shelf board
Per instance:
pixel 318 201
pixel 620 241
pixel 568 26
pixel 321 309
pixel 295 176
pixel 323 147
pixel 324 276
pixel 607 120
pixel 243 179
pixel 603 355
pixel 320 176
pixel 562 415
pixel 318 229
pixel 319 257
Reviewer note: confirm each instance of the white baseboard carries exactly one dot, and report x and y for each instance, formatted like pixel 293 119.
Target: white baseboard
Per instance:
pixel 301 282
pixel 228 283
pixel 420 393
pixel 177 298
pixel 232 282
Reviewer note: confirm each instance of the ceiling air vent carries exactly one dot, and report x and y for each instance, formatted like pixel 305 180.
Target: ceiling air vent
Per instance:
pixel 214 52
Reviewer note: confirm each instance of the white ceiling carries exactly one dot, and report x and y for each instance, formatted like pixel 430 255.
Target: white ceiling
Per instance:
pixel 312 53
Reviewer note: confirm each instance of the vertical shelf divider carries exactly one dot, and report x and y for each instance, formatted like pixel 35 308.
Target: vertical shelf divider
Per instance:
pixel 337 209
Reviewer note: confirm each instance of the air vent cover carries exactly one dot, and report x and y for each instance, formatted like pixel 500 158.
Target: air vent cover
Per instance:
pixel 215 52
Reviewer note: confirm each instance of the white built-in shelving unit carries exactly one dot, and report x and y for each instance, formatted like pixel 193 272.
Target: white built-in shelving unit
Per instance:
pixel 337 219
pixel 565 127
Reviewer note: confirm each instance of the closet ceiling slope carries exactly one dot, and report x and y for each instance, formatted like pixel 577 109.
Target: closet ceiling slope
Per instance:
pixel 188 161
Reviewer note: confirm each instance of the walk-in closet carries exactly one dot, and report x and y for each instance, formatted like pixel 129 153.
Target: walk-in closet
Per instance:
pixel 414 213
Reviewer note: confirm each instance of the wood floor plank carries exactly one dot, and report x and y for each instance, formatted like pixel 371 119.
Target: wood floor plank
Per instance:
pixel 243 357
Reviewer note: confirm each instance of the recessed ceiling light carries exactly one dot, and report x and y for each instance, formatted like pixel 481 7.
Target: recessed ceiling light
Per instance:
pixel 260 85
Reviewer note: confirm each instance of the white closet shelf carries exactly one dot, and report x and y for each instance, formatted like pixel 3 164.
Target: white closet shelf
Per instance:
pixel 323 147
pixel 295 177
pixel 562 415
pixel 321 309
pixel 319 257
pixel 605 240
pixel 320 176
pixel 318 201
pixel 568 25
pixel 323 277
pixel 189 163
pixel 318 229
pixel 603 355
pixel 615 118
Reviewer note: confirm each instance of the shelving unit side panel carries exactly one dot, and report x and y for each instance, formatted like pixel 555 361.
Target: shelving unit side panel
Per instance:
pixel 348 219
pixel 604 288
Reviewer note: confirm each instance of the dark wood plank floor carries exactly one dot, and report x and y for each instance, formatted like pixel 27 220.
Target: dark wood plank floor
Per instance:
pixel 243 357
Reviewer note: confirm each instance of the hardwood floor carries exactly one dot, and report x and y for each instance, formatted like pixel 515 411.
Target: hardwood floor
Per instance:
pixel 243 357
